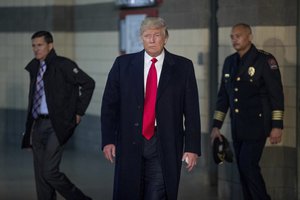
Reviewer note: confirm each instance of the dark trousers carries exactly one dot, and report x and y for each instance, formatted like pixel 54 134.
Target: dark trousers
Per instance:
pixel 248 154
pixel 153 180
pixel 47 154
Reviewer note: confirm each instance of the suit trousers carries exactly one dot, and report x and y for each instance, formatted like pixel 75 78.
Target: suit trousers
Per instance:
pixel 153 180
pixel 248 154
pixel 47 155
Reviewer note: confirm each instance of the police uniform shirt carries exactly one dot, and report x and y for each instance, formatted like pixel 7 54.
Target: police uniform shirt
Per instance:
pixel 251 88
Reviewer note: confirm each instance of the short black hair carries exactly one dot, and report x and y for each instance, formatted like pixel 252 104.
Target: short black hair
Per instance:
pixel 47 36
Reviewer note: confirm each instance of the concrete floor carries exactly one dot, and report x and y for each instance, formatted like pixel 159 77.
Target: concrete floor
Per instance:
pixel 89 171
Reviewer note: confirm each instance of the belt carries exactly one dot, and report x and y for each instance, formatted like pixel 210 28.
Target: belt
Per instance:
pixel 43 116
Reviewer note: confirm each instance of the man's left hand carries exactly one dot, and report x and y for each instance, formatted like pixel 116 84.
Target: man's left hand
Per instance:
pixel 190 159
pixel 78 119
pixel 275 135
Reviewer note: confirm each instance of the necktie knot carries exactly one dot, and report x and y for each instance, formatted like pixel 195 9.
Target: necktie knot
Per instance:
pixel 154 60
pixel 43 65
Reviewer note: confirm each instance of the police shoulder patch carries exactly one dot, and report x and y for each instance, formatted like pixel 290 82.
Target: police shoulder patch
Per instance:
pixel 273 63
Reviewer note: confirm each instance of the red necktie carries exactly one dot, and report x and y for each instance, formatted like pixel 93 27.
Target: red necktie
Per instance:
pixel 150 100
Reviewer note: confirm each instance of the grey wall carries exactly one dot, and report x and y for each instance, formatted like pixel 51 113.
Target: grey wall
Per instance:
pixel 179 14
pixel 258 13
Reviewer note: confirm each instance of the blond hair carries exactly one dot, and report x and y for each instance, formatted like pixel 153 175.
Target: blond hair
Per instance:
pixel 154 23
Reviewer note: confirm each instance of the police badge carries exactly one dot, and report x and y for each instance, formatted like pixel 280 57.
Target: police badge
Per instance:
pixel 251 71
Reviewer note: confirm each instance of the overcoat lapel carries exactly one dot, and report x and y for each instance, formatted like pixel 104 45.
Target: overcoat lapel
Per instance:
pixel 166 74
pixel 33 70
pixel 138 77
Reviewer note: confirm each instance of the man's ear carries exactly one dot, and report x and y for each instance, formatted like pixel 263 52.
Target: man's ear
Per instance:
pixel 251 37
pixel 166 40
pixel 51 46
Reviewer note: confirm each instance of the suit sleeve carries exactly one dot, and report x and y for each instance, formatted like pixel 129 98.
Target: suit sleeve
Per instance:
pixel 272 78
pixel 192 114
pixel 110 106
pixel 222 104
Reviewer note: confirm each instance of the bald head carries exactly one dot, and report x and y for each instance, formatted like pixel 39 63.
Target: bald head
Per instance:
pixel 241 38
pixel 244 26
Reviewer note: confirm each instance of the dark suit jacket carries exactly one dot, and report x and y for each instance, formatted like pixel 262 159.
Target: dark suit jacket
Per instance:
pixel 177 116
pixel 62 80
pixel 253 93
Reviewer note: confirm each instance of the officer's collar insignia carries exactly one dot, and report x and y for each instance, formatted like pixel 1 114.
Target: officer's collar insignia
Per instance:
pixel 75 70
pixel 226 75
pixel 273 64
pixel 251 71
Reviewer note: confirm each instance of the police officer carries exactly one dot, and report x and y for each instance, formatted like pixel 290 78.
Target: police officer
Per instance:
pixel 251 88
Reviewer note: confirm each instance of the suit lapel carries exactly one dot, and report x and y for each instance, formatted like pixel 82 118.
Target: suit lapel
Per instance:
pixel 166 74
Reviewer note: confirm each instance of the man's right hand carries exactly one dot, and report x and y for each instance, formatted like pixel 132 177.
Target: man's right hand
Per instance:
pixel 215 133
pixel 109 152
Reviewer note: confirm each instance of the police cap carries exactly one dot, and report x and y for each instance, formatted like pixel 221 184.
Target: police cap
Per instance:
pixel 221 150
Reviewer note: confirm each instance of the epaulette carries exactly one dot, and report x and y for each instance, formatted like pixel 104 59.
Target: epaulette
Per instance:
pixel 264 52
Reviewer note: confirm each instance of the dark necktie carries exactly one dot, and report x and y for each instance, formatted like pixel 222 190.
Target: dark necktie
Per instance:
pixel 37 99
pixel 150 100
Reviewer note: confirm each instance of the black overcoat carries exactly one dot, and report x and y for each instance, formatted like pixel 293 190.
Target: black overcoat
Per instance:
pixel 68 93
pixel 177 117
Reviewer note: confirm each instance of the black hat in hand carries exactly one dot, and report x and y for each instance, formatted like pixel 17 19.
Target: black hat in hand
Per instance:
pixel 222 151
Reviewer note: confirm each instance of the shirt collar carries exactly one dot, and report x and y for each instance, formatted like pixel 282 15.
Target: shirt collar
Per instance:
pixel 159 58
pixel 244 57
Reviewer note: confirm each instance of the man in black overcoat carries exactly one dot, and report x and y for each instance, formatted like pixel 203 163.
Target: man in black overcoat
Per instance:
pixel 148 154
pixel 59 95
